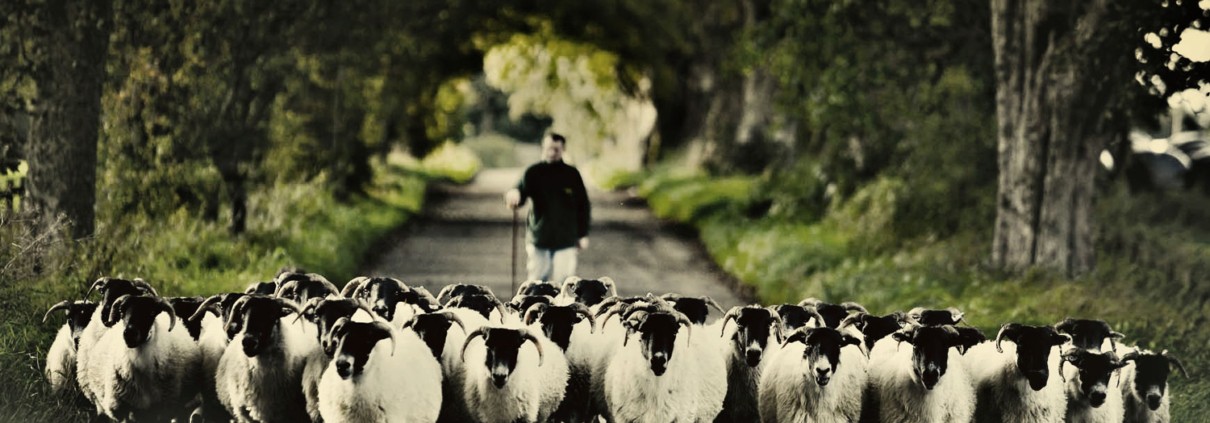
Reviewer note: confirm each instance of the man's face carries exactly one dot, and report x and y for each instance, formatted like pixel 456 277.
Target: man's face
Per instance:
pixel 552 151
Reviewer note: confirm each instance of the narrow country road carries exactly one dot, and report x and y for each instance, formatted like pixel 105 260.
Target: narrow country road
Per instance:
pixel 463 237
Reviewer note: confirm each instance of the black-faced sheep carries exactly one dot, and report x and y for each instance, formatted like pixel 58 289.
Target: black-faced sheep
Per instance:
pixel 814 378
pixel 917 384
pixel 1017 378
pixel 1089 379
pixel 259 375
pixel 373 381
pixel 1144 385
pixel 659 377
pixel 756 330
pixel 61 357
pixel 145 365
pixel 589 292
pixel 505 382
pixel 1089 334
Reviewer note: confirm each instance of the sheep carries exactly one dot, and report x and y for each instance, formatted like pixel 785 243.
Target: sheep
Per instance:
pixel 484 304
pixel 646 382
pixel 756 330
pixel 214 315
pixel 385 295
pixel 569 327
pixel 520 303
pixel 1089 334
pixel 589 292
pixel 795 316
pixel 609 337
pixel 429 327
pixel 453 291
pixel 804 381
pixel 258 378
pixel 511 384
pixel 111 289
pixel 324 313
pixel 145 365
pixel 1017 378
pixel 261 288
pixel 832 313
pixel 300 288
pixel 874 328
pixel 695 308
pixel 61 357
pixel 1144 385
pixel 1089 398
pixel 537 287
pixel 363 382
pixel 916 384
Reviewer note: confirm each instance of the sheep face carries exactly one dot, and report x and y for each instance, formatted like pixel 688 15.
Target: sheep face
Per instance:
pixel 832 314
pixel 792 316
pixel 589 292
pixel 433 328
pixel 969 337
pixel 822 352
pixel 356 341
pixel 658 339
pixel 111 289
pixel 751 337
pixel 1088 334
pixel 696 309
pixel 483 304
pixel 78 314
pixel 303 289
pixel 1094 372
pixel 930 357
pixel 1033 350
pixel 458 290
pixel 259 316
pixel 930 317
pixel 538 288
pixel 139 313
pixel 873 327
pixel 502 347
pixel 558 322
pixel 184 307
pixel 261 288
pixel 1151 375
pixel 521 303
pixel 324 314
pixel 385 294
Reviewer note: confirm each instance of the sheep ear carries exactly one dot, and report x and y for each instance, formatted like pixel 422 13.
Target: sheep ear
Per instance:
pixel 850 340
pixel 1060 339
pixel 901 336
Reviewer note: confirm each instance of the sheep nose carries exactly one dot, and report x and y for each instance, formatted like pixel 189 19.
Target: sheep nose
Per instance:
pixel 1153 401
pixel 343 368
pixel 753 357
pixel 1096 398
pixel 250 344
pixel 499 380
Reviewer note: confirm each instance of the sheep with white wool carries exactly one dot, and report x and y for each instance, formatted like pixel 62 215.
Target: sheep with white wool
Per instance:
pixel 1090 378
pixel 111 289
pixel 756 330
pixel 505 381
pixel 916 383
pixel 657 376
pixel 258 378
pixel 323 313
pixel 145 365
pixel 431 327
pixel 1017 378
pixel 818 375
pixel 570 328
pixel 215 315
pixel 1144 385
pixel 373 381
pixel 590 292
pixel 61 357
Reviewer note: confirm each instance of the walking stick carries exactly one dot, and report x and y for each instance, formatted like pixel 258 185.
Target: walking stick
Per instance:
pixel 513 274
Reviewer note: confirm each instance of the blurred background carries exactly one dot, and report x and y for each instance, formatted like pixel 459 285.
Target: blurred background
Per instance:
pixel 1022 162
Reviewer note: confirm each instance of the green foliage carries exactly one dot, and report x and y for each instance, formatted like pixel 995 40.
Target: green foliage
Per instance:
pixel 494 150
pixel 452 162
pixel 694 197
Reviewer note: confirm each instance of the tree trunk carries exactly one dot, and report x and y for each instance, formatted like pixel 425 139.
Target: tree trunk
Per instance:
pixel 66 116
pixel 1051 132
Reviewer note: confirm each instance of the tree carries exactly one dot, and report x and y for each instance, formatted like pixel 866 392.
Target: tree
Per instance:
pixel 67 66
pixel 1063 73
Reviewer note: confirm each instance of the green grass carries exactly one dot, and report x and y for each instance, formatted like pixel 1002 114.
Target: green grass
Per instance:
pixel 288 225
pixel 1154 256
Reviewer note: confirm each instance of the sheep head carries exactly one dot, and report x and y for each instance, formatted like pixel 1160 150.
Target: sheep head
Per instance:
pixel 1095 369
pixel 502 346
pixel 822 350
pixel 1151 375
pixel 433 328
pixel 1034 344
pixel 356 340
pixel 930 352
pixel 753 326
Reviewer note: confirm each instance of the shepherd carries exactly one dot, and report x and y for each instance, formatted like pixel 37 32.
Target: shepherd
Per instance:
pixel 558 220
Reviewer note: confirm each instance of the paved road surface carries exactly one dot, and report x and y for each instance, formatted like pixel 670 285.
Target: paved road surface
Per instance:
pixel 463 237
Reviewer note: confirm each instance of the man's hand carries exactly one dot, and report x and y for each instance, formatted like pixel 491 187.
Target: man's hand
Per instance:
pixel 512 198
pixel 583 243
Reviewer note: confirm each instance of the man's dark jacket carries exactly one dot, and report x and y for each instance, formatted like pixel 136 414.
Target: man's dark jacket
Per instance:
pixel 560 213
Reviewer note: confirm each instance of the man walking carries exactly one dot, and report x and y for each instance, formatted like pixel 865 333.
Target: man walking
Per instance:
pixel 558 220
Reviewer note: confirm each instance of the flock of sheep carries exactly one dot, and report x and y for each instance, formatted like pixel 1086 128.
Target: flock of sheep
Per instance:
pixel 299 349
